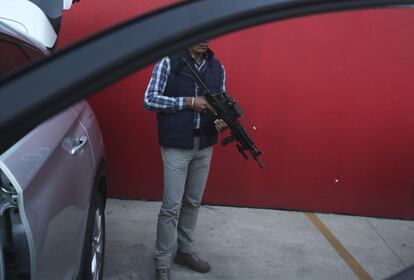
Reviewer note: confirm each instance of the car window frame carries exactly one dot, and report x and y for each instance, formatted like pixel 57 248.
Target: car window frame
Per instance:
pixel 21 109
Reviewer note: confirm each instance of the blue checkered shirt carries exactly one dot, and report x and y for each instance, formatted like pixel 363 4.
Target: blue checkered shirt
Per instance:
pixel 155 100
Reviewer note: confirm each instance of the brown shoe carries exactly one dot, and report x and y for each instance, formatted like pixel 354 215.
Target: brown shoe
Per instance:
pixel 162 274
pixel 192 261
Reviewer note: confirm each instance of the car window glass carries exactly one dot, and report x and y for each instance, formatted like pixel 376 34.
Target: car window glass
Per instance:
pixel 11 56
pixel 31 53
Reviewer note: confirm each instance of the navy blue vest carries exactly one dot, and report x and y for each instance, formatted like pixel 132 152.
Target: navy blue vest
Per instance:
pixel 176 129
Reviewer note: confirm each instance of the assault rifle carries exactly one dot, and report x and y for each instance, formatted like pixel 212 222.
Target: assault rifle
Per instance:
pixel 226 109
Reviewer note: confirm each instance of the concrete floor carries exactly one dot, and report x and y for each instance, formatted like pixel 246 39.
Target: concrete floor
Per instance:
pixel 243 243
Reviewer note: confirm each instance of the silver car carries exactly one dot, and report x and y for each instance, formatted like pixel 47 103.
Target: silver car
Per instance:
pixel 52 183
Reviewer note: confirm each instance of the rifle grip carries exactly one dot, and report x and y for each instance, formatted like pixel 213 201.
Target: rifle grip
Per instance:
pixel 227 140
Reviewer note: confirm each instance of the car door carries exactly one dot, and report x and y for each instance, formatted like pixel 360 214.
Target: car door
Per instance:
pixel 52 169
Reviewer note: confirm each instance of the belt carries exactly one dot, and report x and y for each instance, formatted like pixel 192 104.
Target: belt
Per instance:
pixel 196 132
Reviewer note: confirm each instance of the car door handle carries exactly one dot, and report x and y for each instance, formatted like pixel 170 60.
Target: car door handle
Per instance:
pixel 79 144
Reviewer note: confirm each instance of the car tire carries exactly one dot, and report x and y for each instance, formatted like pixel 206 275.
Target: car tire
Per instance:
pixel 95 240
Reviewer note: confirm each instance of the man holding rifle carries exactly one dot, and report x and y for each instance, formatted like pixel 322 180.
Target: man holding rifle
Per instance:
pixel 187 131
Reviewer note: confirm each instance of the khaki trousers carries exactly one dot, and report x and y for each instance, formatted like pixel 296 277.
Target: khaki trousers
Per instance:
pixel 185 176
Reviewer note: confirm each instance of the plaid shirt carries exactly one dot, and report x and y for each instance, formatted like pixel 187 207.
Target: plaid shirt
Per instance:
pixel 155 100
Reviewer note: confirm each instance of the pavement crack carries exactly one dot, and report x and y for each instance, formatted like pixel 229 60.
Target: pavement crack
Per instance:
pixel 386 243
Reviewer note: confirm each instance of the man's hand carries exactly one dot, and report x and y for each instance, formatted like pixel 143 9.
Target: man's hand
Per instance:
pixel 221 125
pixel 201 105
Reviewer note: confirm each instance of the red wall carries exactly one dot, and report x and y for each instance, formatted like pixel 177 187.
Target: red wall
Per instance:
pixel 332 97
